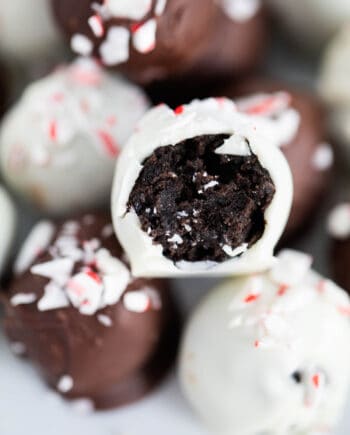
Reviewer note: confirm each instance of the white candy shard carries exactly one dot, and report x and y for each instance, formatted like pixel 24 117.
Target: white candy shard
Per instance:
pixel 58 270
pixel 105 320
pixel 160 7
pixel 54 298
pixel 115 49
pixel 131 9
pixel 36 243
pixel 65 384
pixel 241 10
pixel 144 38
pixel 339 221
pixel 323 158
pixel 81 45
pixel 23 299
pixel 84 291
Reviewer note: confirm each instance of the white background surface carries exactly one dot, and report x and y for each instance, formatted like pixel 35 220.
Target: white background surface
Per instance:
pixel 27 407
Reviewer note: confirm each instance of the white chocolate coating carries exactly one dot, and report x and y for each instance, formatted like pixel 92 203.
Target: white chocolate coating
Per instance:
pixel 311 22
pixel 163 126
pixel 27 29
pixel 59 143
pixel 269 355
pixel 334 87
pixel 7 229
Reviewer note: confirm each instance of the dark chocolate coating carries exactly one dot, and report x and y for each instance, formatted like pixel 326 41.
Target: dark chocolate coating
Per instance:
pixel 111 365
pixel 310 184
pixel 171 198
pixel 235 47
pixel 183 32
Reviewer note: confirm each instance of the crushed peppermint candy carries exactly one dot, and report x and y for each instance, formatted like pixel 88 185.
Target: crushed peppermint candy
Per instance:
pixel 241 10
pixel 131 9
pixel 65 384
pixel 270 306
pixel 323 157
pixel 36 243
pixel 142 300
pixel 160 7
pixel 96 25
pixel 53 298
pixel 144 38
pixel 274 113
pixel 23 299
pixel 105 320
pixel 81 45
pixel 85 275
pixel 264 104
pixel 115 49
pixel 79 103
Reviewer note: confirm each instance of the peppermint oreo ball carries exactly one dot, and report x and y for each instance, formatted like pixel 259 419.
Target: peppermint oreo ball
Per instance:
pixel 72 308
pixel 269 353
pixel 7 230
pixel 201 190
pixel 28 31
pixel 59 143
pixel 147 39
pixel 302 118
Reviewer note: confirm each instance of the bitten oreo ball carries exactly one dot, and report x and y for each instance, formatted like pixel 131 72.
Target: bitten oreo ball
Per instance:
pixel 305 142
pixel 93 331
pixel 269 353
pixel 199 190
pixel 147 39
pixel 8 223
pixel 59 143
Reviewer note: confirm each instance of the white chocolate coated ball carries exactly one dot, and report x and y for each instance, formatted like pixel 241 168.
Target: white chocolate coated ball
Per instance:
pixel 269 354
pixel 59 143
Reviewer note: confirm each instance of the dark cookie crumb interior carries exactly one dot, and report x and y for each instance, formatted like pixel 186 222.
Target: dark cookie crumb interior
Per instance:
pixel 195 202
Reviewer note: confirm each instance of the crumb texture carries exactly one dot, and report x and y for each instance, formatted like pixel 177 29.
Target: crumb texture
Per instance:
pixel 201 205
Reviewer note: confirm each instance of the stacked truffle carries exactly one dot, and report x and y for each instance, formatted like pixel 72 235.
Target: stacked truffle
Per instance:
pixel 205 189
